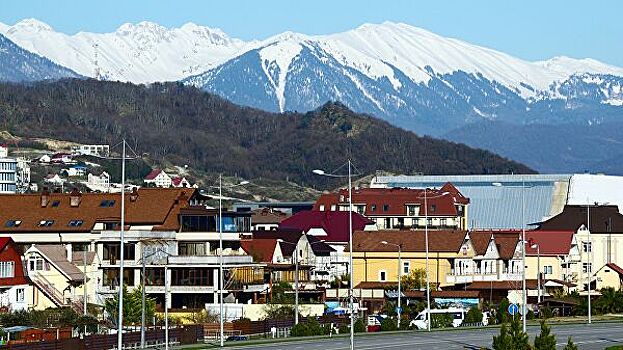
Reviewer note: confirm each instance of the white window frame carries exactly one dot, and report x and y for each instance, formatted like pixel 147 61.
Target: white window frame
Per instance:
pixel 587 246
pixel 7 269
pixel 587 268
pixel 20 295
pixel 382 276
pixel 548 269
pixel 406 267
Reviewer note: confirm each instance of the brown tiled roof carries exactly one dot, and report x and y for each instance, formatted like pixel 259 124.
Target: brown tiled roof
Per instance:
pixel 152 206
pixel 267 216
pixel 505 241
pixel 410 241
pixel 77 257
pixel 376 285
pixel 262 250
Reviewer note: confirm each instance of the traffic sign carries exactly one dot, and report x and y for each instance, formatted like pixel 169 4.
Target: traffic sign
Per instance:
pixel 513 309
pixel 398 310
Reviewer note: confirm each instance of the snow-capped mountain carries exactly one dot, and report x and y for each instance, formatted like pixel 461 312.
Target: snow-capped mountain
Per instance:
pixel 412 78
pixel 139 53
pixel 19 65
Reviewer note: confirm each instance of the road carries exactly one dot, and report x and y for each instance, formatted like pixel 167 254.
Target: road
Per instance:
pixel 589 337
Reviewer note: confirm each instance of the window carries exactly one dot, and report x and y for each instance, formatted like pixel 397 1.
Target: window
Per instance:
pixel 406 266
pixel 46 223
pixel 321 207
pixel 191 248
pixel 443 222
pixel 429 221
pixel 111 277
pixel 20 295
pixel 587 246
pixel 388 223
pixel 7 269
pixel 107 203
pixel 382 275
pixel 191 277
pixel 433 208
pixel 547 269
pixel 361 209
pixel 385 207
pixel 333 207
pixel 587 267
pixel 75 223
pixel 154 277
pixel 13 223
pixel 373 207
pixel 112 251
pixel 55 204
pixel 411 210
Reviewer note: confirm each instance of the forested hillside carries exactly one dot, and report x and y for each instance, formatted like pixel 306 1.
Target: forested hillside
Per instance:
pixel 187 126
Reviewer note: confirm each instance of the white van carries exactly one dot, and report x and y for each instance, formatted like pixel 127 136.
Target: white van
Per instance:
pixel 458 315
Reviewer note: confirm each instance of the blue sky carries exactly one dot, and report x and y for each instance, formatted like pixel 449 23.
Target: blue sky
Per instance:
pixel 529 29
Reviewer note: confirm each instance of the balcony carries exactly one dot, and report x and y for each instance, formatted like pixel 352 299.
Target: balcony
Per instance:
pixel 478 276
pixel 209 259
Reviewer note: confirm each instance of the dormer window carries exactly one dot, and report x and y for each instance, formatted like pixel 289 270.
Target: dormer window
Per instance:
pixel 385 207
pixel 55 204
pixel 75 223
pixel 46 223
pixel 13 223
pixel 107 203
pixel 433 208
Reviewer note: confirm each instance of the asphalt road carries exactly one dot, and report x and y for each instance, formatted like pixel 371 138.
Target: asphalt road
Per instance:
pixel 589 337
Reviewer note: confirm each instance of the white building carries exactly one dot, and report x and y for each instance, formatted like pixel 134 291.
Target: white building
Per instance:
pixel 158 178
pixel 92 150
pixel 4 151
pixel 8 175
pixel 99 182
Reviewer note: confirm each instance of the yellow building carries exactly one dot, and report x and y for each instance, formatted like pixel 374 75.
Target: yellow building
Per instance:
pixel 610 275
pixel 376 254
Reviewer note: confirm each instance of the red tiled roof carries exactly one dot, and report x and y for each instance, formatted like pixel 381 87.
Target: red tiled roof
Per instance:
pixel 9 252
pixel 393 201
pixel 410 241
pixel 616 268
pixel 153 174
pixel 334 223
pixel 262 250
pixel 175 181
pixel 505 242
pixel 443 294
pixel 551 243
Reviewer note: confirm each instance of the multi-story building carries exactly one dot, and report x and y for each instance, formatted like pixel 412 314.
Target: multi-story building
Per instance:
pixel 402 208
pixel 158 178
pixel 8 175
pixel 92 150
pixel 171 227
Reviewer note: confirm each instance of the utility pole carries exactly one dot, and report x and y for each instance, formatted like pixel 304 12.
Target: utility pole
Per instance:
pixel 122 239
pixel 143 297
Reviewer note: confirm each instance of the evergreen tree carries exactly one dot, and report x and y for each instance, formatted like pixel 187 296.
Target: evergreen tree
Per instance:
pixel 511 337
pixel 545 340
pixel 570 345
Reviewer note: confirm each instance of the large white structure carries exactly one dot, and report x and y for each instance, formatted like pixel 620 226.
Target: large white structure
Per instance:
pixel 8 175
pixel 92 150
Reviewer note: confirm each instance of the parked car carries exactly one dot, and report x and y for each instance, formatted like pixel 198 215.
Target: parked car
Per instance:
pixel 422 319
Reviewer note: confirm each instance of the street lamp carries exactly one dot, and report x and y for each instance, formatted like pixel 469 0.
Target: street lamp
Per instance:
pixel 220 260
pixel 524 300
pixel 350 247
pixel 538 271
pixel 399 246
pixel 295 255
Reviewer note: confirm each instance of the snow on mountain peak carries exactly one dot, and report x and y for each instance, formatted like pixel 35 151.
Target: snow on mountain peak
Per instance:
pixel 569 66
pixel 32 25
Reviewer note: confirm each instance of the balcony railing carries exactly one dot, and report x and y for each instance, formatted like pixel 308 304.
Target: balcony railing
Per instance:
pixel 479 275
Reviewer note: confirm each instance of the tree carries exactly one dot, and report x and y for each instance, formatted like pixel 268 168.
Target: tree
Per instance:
pixel 511 337
pixel 474 315
pixel 570 345
pixel 415 280
pixel 360 327
pixel 502 315
pixel 132 307
pixel 545 340
pixel 610 301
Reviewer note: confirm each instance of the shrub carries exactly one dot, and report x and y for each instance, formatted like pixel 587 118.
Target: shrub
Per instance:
pixel 545 312
pixel 570 345
pixel 502 314
pixel 360 327
pixel 473 316
pixel 546 340
pixel 314 327
pixel 441 321
pixel 343 329
pixel 300 330
pixel 389 324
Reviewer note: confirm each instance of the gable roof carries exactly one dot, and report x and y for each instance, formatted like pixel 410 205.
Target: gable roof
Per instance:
pixel 603 218
pixel 334 223
pixel 153 174
pixel 550 243
pixel 505 242
pixel 57 255
pixel 19 277
pixel 616 268
pixel 410 241
pixel 393 201
pixel 260 249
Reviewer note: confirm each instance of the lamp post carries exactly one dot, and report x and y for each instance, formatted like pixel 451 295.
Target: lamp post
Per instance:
pixel 538 269
pixel 295 256
pixel 524 300
pixel 121 254
pixel 220 254
pixel 399 246
pixel 350 248
pixel 589 269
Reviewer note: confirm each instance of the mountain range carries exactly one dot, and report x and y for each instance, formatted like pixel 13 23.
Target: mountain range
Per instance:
pixel 411 77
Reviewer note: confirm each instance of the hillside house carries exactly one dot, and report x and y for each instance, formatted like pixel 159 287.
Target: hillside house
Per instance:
pixel 158 178
pixel 14 283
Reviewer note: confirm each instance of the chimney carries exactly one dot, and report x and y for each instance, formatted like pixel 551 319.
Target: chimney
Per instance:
pixel 45 197
pixel 133 195
pixel 69 252
pixel 75 197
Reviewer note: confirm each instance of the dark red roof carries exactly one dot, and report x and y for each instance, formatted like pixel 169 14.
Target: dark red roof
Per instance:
pixel 9 252
pixel 262 250
pixel 152 174
pixel 552 243
pixel 616 268
pixel 505 242
pixel 603 218
pixel 393 201
pixel 334 223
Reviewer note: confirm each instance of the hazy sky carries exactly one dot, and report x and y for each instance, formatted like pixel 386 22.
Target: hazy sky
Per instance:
pixel 529 29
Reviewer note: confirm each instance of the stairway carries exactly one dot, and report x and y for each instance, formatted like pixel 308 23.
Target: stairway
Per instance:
pixel 54 294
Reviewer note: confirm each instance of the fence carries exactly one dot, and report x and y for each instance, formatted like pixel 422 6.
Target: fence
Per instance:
pixel 189 334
